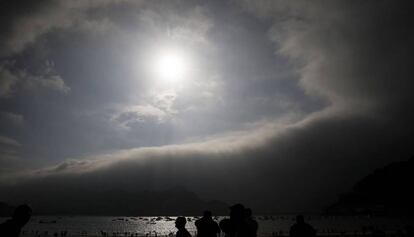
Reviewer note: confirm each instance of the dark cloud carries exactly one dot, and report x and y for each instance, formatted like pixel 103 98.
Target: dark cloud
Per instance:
pixel 9 141
pixel 23 22
pixel 11 118
pixel 9 155
pixel 355 54
pixel 8 80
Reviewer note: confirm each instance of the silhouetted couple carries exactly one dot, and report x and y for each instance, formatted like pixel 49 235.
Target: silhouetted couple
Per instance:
pixel 301 229
pixel 206 226
pixel 240 224
pixel 180 225
pixel 12 227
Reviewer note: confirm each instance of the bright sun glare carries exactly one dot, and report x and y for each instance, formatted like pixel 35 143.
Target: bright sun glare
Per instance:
pixel 170 65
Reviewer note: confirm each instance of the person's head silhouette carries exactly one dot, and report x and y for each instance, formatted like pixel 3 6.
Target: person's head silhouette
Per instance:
pixel 180 222
pixel 237 212
pixel 22 214
pixel 207 214
pixel 300 219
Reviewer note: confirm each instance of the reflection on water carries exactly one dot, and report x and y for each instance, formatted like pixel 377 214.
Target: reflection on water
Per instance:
pixel 277 225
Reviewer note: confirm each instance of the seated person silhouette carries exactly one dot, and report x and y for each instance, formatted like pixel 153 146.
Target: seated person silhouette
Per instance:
pixel 13 226
pixel 180 224
pixel 301 229
pixel 206 226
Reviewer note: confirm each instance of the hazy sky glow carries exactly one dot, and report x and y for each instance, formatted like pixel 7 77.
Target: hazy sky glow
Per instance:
pixel 285 99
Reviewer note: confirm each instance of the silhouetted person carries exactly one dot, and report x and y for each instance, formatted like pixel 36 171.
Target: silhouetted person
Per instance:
pixel 236 226
pixel 252 224
pixel 180 224
pixel 12 227
pixel 301 229
pixel 206 226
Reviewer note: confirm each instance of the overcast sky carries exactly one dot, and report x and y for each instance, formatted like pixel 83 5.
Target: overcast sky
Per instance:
pixel 279 104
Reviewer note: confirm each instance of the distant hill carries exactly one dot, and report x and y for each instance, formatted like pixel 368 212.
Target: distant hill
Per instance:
pixel 176 201
pixel 387 191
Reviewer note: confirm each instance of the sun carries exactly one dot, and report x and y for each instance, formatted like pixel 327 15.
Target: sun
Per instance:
pixel 170 65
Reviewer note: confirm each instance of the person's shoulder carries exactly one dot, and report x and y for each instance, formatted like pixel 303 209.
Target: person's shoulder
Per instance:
pixel 186 233
pixel 225 220
pixel 308 225
pixel 8 227
pixel 183 233
pixel 213 223
pixel 7 223
pixel 294 227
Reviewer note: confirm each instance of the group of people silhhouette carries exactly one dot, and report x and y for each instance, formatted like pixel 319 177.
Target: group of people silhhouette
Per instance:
pixel 240 224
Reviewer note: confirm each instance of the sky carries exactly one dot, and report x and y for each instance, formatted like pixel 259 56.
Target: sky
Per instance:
pixel 281 105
